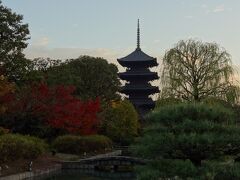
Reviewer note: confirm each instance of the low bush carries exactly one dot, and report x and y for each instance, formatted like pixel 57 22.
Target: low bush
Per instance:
pixel 184 169
pixel 166 168
pixel 14 146
pixel 3 131
pixel 71 144
pixel 161 102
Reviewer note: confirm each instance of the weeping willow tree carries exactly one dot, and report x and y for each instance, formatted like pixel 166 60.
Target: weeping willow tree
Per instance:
pixel 194 70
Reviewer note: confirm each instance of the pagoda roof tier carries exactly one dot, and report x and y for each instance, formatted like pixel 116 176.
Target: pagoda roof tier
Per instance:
pixel 137 57
pixel 132 74
pixel 143 102
pixel 139 88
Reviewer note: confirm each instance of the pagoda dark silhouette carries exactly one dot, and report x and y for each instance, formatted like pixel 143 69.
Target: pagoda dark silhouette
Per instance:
pixel 138 77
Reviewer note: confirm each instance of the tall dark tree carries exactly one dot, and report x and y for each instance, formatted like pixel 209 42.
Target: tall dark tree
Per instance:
pixel 13 36
pixel 92 77
pixel 194 70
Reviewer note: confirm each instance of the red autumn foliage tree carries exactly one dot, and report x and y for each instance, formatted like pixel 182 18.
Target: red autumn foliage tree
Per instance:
pixel 74 115
pixel 6 91
pixel 58 108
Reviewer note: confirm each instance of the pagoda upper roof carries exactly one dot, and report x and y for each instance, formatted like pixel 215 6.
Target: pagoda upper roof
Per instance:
pixel 137 55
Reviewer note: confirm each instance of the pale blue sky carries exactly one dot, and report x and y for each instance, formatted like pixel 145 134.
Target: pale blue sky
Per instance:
pixel 107 28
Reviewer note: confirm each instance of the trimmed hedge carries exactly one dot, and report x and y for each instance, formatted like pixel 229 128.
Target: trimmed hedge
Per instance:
pixel 71 144
pixel 14 146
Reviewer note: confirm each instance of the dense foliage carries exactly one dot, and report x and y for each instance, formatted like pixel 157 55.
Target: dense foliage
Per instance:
pixel 92 77
pixel 6 89
pixel 13 37
pixel 187 136
pixel 37 108
pixel 161 102
pixel 181 170
pixel 13 147
pixel 120 122
pixel 82 144
pixel 194 70
pixel 3 131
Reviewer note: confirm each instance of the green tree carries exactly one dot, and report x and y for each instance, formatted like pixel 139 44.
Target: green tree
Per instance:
pixel 92 77
pixel 120 122
pixel 38 68
pixel 194 70
pixel 43 64
pixel 185 140
pixel 13 36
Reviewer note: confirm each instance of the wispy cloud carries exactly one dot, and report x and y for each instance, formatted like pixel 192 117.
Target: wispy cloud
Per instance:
pixel 219 8
pixel 156 41
pixel 189 17
pixel 43 41
pixel 75 25
pixel 204 6
pixel 67 53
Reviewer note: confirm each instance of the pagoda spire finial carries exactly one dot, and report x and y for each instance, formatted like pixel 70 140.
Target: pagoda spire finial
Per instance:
pixel 138 35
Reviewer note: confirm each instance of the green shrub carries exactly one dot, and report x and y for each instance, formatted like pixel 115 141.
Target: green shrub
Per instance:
pixel 230 172
pixel 79 144
pixel 184 169
pixel 68 144
pixel 121 122
pixel 234 107
pixel 13 146
pixel 161 102
pixel 3 131
pixel 97 143
pixel 220 171
pixel 166 168
pixel 175 114
pixel 194 132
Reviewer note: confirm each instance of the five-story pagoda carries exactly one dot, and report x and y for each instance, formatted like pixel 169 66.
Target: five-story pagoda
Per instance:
pixel 138 77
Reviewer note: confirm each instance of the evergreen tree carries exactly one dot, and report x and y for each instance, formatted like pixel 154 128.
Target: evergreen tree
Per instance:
pixel 189 141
